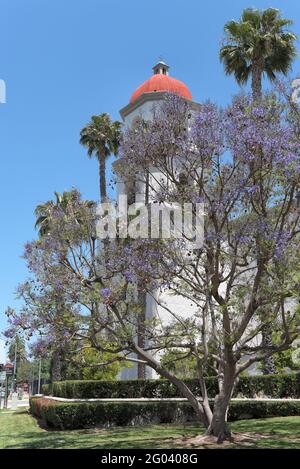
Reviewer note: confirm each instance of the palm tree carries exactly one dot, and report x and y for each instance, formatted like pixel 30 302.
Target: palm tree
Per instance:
pixel 258 44
pixel 101 137
pixel 43 212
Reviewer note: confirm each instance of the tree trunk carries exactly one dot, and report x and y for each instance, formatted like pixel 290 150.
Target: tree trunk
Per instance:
pixel 56 366
pixel 141 367
pixel 205 403
pixel 102 177
pixel 218 426
pixel 257 71
pixel 103 198
pixel 182 387
pixel 269 367
pixel 142 300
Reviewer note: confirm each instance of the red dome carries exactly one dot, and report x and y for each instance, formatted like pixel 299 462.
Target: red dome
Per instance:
pixel 161 82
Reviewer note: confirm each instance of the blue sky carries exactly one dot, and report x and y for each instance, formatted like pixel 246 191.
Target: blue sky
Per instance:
pixel 63 61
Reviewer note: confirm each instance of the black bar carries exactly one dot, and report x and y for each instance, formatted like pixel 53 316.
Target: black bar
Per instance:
pixel 147 457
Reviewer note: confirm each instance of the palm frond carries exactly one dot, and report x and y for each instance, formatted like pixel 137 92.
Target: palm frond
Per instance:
pixel 251 16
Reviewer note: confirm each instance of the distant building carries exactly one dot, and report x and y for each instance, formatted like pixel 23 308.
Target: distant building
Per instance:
pixel 8 366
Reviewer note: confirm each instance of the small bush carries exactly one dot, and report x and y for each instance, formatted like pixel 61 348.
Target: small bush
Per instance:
pixel 66 415
pixel 273 386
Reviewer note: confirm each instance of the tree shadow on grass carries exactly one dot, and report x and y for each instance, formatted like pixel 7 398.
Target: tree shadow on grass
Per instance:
pixel 105 438
pixel 279 426
pixel 271 433
pixel 57 441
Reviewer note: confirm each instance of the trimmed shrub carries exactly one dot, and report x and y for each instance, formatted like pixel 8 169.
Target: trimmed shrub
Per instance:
pixel 123 389
pixel 276 386
pixel 39 406
pixel 240 410
pixel 72 415
pixel 66 415
pixel 273 386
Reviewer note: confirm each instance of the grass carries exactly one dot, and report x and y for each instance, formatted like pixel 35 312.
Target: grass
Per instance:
pixel 18 429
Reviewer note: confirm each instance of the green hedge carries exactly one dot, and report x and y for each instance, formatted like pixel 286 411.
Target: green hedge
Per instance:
pixel 276 386
pixel 74 415
pixel 87 414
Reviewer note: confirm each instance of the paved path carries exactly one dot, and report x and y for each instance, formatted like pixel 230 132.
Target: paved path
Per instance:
pixel 21 403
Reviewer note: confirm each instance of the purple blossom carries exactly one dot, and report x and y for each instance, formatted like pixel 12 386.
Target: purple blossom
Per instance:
pixel 106 292
pixel 130 277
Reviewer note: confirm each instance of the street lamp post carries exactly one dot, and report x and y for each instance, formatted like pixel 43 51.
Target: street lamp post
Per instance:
pixel 15 368
pixel 39 380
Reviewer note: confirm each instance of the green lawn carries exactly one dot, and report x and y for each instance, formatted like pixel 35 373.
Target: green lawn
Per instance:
pixel 20 430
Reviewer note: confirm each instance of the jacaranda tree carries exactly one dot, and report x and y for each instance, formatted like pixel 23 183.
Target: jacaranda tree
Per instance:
pixel 242 164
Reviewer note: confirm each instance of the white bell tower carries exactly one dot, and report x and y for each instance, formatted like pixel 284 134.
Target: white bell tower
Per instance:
pixel 148 94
